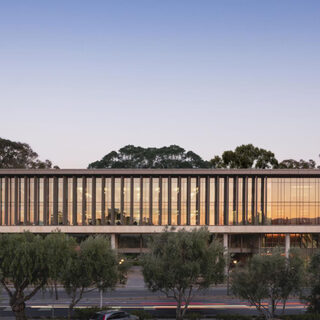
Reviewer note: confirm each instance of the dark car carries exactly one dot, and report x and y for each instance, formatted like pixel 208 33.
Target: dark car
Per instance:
pixel 113 314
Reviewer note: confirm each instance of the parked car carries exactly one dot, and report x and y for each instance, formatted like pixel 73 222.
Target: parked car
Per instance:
pixel 113 314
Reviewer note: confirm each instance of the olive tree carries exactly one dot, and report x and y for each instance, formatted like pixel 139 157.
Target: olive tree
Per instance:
pixel 268 277
pixel 59 248
pixel 23 266
pixel 181 263
pixel 92 265
pixel 314 279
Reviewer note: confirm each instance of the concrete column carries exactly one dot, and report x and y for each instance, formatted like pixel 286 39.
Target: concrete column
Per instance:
pixel 113 241
pixel 225 241
pixel 287 245
pixel 226 252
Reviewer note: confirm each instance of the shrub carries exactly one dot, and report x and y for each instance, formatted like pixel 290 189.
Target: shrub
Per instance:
pixel 232 317
pixel 305 316
pixel 194 315
pixel 86 313
pixel 142 314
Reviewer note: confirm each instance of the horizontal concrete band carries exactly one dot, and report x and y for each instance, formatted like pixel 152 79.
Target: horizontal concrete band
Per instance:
pixel 157 172
pixel 158 229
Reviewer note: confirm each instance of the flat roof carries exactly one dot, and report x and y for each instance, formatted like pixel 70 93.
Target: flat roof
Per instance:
pixel 157 172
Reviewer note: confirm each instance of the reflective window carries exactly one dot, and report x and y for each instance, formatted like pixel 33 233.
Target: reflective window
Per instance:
pixel 174 201
pixel 117 201
pixel 126 200
pixel 98 201
pixel 202 206
pixel 164 218
pixel 183 201
pixel 221 200
pixel 193 201
pixel 146 204
pixel 155 201
pixel 107 193
pixel 136 201
pixel 211 201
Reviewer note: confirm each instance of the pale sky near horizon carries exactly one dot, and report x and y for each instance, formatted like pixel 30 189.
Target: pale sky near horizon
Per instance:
pixel 79 79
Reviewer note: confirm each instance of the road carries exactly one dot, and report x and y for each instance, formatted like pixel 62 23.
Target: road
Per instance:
pixel 134 295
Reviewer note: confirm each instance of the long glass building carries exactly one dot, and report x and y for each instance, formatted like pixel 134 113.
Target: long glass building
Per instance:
pixel 251 210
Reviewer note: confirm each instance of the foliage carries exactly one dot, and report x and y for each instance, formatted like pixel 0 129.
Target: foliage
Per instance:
pixel 305 316
pixel 193 315
pixel 93 265
pixel 232 317
pixel 272 277
pixel 244 157
pixel 23 267
pixel 138 157
pixel 314 280
pixel 294 164
pixel 180 263
pixel 142 314
pixel 20 155
pixel 59 247
pixel 86 313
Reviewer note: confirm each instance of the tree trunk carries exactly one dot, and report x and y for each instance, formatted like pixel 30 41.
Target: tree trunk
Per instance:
pixel 273 308
pixel 179 311
pixel 70 309
pixel 56 290
pixel 18 308
pixel 284 306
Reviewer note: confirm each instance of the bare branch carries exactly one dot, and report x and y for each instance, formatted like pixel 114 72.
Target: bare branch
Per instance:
pixel 6 288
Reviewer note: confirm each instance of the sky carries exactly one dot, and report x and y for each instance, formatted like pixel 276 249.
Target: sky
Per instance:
pixel 79 79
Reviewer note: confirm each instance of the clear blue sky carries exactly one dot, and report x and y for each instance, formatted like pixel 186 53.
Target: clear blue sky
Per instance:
pixel 81 78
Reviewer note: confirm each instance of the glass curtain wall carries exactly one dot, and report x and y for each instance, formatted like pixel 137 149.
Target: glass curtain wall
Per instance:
pixel 251 200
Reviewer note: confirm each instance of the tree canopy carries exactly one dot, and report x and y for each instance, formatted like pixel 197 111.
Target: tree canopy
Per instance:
pixel 18 155
pixel 294 164
pixel 244 157
pixel 180 263
pixel 138 157
pixel 273 277
pixel 93 265
pixel 314 280
pixel 23 265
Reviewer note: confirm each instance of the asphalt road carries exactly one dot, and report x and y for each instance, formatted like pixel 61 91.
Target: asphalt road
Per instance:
pixel 134 295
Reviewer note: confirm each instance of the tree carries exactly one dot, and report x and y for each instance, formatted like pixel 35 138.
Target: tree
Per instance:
pixel 137 157
pixel 314 279
pixel 18 155
pixel 245 157
pixel 23 266
pixel 93 265
pixel 181 263
pixel 294 164
pixel 59 248
pixel 272 277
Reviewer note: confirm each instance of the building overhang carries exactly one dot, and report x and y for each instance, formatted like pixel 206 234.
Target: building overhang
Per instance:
pixel 249 229
pixel 162 172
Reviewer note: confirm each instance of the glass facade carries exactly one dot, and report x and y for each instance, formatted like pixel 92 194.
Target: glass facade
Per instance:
pixel 159 200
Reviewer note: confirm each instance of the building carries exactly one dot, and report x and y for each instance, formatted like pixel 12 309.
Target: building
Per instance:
pixel 250 210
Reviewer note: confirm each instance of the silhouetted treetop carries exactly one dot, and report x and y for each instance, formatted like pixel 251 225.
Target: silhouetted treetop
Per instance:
pixel 294 164
pixel 18 155
pixel 244 157
pixel 138 157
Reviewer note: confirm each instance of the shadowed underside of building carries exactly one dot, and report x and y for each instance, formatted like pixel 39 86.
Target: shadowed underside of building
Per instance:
pixel 250 210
